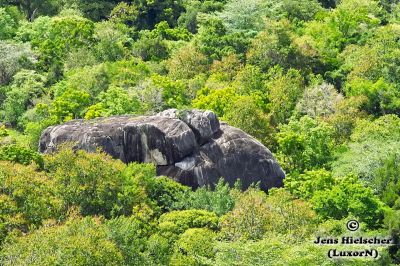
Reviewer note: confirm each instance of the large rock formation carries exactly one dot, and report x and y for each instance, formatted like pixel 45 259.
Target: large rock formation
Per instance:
pixel 192 147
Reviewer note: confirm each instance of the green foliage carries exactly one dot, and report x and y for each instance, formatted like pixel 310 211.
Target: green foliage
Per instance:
pixel 124 13
pixel 194 247
pixel 92 182
pixel 226 68
pixel 296 10
pixel 114 101
pixel 149 196
pixel 166 192
pixel 106 89
pixel 392 222
pixel 27 196
pixel 9 218
pixel 3 131
pixel 151 46
pixel 384 128
pixel 186 63
pixel 315 85
pixel 387 181
pixel 344 119
pixel 126 73
pixel 219 200
pixel 274 46
pixel 250 79
pixel 306 185
pixel 351 22
pixel 161 92
pixel 356 17
pixel 130 236
pixel 375 140
pixel 247 16
pixel 272 250
pixel 70 105
pixel 134 197
pixel 111 40
pixel 155 45
pixel 153 12
pixel 328 3
pixel 244 16
pixel 255 215
pixel 382 97
pixel 95 10
pixel 57 36
pixel 283 92
pixel 337 198
pixel 19 154
pixel 26 87
pixel 176 230
pixel 79 242
pixel 13 57
pixel 215 100
pixel 33 7
pixel 347 197
pixel 178 222
pixel 214 41
pixel 33 130
pixel 9 22
pixel 246 113
pixel 305 144
pixel 98 78
pixel 193 11
pixel 353 158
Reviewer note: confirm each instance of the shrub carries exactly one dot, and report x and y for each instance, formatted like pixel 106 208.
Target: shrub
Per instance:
pixel 27 197
pixel 255 215
pixel 183 220
pixel 194 247
pixel 130 235
pixel 91 181
pixel 219 200
pixel 19 154
pixel 349 197
pixel 78 242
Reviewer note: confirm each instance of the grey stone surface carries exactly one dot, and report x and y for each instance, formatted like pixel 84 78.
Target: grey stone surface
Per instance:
pixel 192 146
pixel 203 123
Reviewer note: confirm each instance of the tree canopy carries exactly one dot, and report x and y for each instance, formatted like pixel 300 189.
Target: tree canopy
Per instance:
pixel 317 82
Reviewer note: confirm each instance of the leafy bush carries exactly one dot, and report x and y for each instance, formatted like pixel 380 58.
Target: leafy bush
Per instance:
pixel 180 221
pixel 166 192
pixel 271 250
pixel 376 140
pixel 305 144
pixel 218 200
pixel 256 215
pixel 194 247
pixel 91 182
pixel 160 93
pixel 19 154
pixel 306 185
pixel 130 235
pixel 28 198
pixel 349 197
pixel 78 242
pixel 26 86
pixel 146 190
pixel 316 81
pixel 387 181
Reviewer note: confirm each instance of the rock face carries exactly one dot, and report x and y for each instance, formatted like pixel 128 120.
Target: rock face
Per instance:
pixel 192 147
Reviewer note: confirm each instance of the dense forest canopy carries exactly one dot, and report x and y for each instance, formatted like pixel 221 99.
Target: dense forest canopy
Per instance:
pixel 317 82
